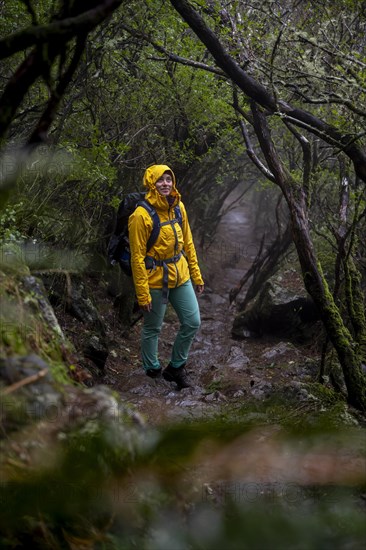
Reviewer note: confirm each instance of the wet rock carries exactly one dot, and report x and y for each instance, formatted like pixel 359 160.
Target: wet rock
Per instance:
pixel 215 396
pixel 347 419
pixel 279 349
pixel 38 295
pixel 33 401
pixel 298 390
pixel 260 388
pixel 239 393
pixel 187 403
pixel 150 389
pixel 236 358
pixel 96 349
pixel 98 403
pixel 246 334
pixel 70 292
pixel 278 311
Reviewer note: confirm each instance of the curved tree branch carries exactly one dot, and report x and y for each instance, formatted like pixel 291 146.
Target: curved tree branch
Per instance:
pixel 170 55
pixel 259 93
pixel 39 133
pixel 50 42
pixel 248 145
pixel 18 85
pixel 64 29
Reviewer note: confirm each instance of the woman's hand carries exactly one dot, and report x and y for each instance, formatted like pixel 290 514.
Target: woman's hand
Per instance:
pixel 200 289
pixel 147 307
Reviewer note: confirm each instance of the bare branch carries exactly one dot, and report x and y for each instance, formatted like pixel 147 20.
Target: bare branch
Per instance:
pixel 24 382
pixel 332 99
pixel 306 155
pixel 256 91
pixel 248 144
pixel 170 55
pixel 188 62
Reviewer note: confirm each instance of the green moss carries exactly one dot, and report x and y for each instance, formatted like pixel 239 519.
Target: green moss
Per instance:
pixel 60 374
pixel 24 330
pixel 328 396
pixel 215 385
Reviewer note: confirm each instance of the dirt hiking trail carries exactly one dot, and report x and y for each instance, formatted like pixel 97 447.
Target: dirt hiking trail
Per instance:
pixel 224 372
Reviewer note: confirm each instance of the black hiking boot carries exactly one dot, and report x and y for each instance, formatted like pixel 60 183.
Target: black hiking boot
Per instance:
pixel 153 373
pixel 177 375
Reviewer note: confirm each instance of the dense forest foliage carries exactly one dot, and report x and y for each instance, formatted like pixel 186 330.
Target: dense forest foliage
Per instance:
pixel 264 98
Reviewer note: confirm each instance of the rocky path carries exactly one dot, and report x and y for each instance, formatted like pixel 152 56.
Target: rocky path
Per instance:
pixel 224 371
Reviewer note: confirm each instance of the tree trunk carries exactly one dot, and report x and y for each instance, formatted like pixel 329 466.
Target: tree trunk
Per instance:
pixel 348 351
pixel 347 348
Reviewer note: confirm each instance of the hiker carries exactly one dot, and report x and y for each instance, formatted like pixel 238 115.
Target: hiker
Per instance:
pixel 165 273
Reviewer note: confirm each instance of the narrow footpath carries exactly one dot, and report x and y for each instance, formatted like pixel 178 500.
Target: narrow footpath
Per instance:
pixel 224 372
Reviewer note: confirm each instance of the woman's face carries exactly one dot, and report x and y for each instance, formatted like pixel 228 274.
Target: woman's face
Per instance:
pixel 164 184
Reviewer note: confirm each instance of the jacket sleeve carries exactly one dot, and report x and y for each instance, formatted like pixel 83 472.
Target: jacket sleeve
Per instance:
pixel 190 249
pixel 139 230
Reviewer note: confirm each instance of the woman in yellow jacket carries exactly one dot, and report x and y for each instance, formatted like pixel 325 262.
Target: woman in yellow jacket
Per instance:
pixel 165 273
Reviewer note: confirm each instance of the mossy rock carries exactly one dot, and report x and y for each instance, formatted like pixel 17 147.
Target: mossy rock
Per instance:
pixel 279 312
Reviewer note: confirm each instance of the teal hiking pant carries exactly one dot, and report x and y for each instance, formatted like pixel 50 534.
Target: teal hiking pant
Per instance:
pixel 184 301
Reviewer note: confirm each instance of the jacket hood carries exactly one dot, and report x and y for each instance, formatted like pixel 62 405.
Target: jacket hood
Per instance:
pixel 151 176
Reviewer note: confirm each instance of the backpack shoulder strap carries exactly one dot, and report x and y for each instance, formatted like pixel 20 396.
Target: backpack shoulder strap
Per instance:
pixel 178 215
pixel 156 223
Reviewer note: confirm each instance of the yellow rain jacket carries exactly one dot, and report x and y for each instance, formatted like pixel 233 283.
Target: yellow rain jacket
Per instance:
pixel 170 242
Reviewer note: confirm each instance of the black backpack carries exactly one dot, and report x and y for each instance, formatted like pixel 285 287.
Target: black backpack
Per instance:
pixel 119 244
